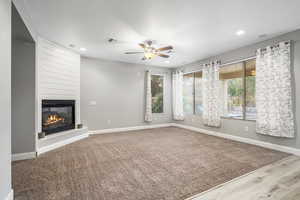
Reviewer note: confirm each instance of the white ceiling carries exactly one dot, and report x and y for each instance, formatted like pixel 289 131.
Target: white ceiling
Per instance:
pixel 196 28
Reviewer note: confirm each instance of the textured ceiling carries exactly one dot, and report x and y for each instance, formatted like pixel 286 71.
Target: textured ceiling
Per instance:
pixel 196 28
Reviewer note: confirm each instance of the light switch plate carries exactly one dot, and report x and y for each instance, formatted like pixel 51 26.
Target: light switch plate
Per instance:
pixel 92 103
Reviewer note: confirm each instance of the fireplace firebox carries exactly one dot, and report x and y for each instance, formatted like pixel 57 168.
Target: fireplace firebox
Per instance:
pixel 58 115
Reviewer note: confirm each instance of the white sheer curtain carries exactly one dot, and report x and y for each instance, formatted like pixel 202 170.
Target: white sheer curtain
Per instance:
pixel 274 91
pixel 177 84
pixel 211 94
pixel 148 109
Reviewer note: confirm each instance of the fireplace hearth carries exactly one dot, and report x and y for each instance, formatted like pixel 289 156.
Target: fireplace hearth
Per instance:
pixel 58 115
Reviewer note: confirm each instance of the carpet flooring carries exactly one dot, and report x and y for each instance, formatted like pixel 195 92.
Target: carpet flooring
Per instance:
pixel 155 164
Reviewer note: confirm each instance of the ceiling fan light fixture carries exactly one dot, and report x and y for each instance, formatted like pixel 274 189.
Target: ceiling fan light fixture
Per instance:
pixel 150 51
pixel 149 55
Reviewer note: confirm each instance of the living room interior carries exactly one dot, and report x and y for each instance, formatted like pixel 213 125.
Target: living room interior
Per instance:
pixel 151 100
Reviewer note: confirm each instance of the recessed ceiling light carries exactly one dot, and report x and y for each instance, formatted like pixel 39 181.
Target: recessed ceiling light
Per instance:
pixel 167 61
pixel 240 32
pixel 82 49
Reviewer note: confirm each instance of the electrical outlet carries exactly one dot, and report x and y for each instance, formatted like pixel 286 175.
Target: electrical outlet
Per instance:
pixel 246 128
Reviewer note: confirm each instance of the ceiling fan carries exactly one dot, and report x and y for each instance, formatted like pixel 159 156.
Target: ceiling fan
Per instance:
pixel 150 51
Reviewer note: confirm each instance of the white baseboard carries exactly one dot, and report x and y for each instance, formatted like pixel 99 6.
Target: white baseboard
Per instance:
pixel 10 195
pixel 61 143
pixel 23 156
pixel 132 128
pixel 200 130
pixel 242 139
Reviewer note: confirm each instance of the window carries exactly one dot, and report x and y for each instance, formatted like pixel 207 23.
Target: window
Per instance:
pixel 250 113
pixel 238 90
pixel 192 93
pixel 157 91
pixel 198 93
pixel 232 90
pixel 188 93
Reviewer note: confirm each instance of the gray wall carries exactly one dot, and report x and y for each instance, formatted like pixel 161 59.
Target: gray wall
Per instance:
pixel 237 127
pixel 5 87
pixel 23 97
pixel 119 92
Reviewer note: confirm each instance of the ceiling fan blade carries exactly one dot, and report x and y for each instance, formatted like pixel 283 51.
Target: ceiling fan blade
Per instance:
pixel 133 52
pixel 163 55
pixel 142 45
pixel 165 48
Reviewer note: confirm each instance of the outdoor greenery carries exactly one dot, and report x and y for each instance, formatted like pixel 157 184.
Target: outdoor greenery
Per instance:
pixel 235 92
pixel 237 96
pixel 157 93
pixel 250 91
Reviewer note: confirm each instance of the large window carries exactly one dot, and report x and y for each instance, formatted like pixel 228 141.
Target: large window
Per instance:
pixel 238 90
pixel 188 93
pixel 250 108
pixel 198 93
pixel 232 90
pixel 192 93
pixel 157 90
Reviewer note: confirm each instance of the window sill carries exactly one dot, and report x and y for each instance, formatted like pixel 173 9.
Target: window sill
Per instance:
pixel 189 114
pixel 158 113
pixel 200 115
pixel 239 119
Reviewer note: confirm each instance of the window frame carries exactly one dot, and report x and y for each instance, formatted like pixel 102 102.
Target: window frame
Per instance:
pixel 244 87
pixel 164 92
pixel 194 93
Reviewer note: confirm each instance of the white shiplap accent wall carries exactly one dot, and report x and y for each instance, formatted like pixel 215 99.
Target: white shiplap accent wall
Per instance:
pixel 57 76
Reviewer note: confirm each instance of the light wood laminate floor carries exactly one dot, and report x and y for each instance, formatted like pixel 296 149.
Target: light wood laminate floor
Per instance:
pixel 277 181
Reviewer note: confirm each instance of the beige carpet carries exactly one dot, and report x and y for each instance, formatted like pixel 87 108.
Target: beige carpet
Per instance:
pixel 155 164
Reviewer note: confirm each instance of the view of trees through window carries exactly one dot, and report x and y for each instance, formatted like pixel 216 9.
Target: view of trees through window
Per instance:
pixel 250 113
pixel 232 88
pixel 237 91
pixel 157 91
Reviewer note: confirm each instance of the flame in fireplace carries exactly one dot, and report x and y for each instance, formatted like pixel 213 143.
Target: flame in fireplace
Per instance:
pixel 52 119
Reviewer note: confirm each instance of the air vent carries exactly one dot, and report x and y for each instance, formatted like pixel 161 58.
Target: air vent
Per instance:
pixel 112 40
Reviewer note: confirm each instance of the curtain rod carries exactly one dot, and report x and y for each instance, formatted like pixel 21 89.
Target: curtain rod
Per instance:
pixel 245 59
pixel 224 64
pixel 237 61
pixel 275 45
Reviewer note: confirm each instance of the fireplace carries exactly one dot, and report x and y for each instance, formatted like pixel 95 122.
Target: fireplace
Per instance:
pixel 58 115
